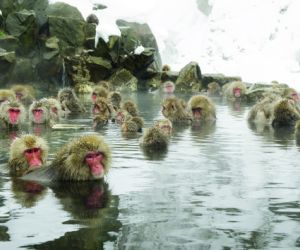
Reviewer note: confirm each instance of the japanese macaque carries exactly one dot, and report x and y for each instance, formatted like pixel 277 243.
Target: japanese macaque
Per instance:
pixel 154 139
pixel 202 108
pixel 7 95
pixel 99 91
pixel 130 107
pixel 235 90
pixel 214 89
pixel 133 125
pixel 55 109
pixel 122 116
pixel 39 112
pixel 100 120
pixel 292 94
pixel 115 98
pixel 85 158
pixel 285 113
pixel 27 153
pixel 274 110
pixel 168 87
pixel 12 113
pixel 174 109
pixel 69 101
pixel 24 93
pixel 101 106
pixel 165 126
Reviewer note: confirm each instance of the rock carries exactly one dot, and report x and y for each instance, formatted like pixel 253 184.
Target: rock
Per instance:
pixel 92 18
pixel 98 67
pixel 23 26
pixel 60 9
pixel 123 80
pixel 7 63
pixel 9 43
pixel 90 33
pixel 189 78
pixel 8 6
pixel 23 71
pixel 135 34
pixel 219 78
pixel 99 6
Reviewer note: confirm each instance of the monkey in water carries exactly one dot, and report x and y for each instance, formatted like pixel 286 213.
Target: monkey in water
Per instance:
pixel 100 120
pixel 165 125
pixel 202 109
pixel 99 91
pixel 214 89
pixel 174 109
pixel 133 125
pixel 85 158
pixel 55 110
pixel 27 153
pixel 154 139
pixel 130 107
pixel 115 99
pixel 24 93
pixel 7 95
pixel 39 112
pixel 69 101
pixel 235 90
pixel 103 107
pixel 12 113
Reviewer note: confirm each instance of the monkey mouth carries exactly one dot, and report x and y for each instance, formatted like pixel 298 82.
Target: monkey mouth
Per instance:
pixel 97 170
pixel 197 113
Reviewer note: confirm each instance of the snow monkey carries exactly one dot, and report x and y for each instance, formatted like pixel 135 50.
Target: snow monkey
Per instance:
pixel 7 95
pixel 214 89
pixel 24 93
pixel 235 90
pixel 130 107
pixel 39 112
pixel 85 158
pixel 154 139
pixel 99 91
pixel 100 120
pixel 55 109
pixel 12 113
pixel 202 108
pixel 165 126
pixel 115 98
pixel 69 101
pixel 174 109
pixel 27 153
pixel 133 125
pixel 101 106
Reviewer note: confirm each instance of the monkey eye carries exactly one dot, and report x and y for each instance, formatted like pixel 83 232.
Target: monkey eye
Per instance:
pixel 32 150
pixel 14 110
pixel 93 154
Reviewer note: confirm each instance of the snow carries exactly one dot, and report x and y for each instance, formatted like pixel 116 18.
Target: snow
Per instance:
pixel 257 40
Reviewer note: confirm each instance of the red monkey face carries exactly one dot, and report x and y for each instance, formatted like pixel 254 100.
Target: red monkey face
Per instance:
pixel 237 92
pixel 94 96
pixel 295 97
pixel 38 115
pixel 14 115
pixel 19 96
pixel 169 88
pixel 197 113
pixel 94 162
pixel 33 157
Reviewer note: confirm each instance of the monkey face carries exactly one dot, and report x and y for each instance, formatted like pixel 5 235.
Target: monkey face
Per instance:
pixel 38 115
pixel 237 92
pixel 295 97
pixel 14 115
pixel 94 161
pixel 19 96
pixel 33 157
pixel 169 87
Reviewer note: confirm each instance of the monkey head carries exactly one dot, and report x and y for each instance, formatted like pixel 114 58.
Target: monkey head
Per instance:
pixel 201 108
pixel 115 98
pixel 285 113
pixel 7 95
pixel 100 106
pixel 166 67
pixel 39 112
pixel 66 94
pixel 122 116
pixel 130 107
pixel 99 91
pixel 12 113
pixel 238 89
pixel 100 120
pixel 27 153
pixel 213 89
pixel 84 158
pixel 165 125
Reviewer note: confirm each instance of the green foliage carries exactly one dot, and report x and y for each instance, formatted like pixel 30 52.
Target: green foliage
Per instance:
pixel 2 34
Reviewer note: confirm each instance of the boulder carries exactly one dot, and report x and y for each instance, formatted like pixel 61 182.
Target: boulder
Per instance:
pixel 189 78
pixel 123 80
pixel 92 18
pixel 219 78
pixel 135 34
pixel 8 6
pixel 23 26
pixel 9 43
pixel 23 71
pixel 60 9
pixel 98 67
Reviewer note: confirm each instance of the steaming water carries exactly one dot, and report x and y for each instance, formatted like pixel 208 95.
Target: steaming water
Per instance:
pixel 228 186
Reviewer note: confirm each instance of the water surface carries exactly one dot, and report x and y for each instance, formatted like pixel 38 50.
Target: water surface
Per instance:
pixel 228 186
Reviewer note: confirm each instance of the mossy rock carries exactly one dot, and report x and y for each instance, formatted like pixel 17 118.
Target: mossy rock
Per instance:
pixel 123 80
pixel 7 63
pixel 219 78
pixel 60 9
pixel 23 71
pixel 9 43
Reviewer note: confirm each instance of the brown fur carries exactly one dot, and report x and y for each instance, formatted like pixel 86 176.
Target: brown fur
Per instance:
pixel 213 89
pixel 154 139
pixel 133 125
pixel 18 165
pixel 163 124
pixel 69 101
pixel 44 105
pixel 285 113
pixel 100 120
pixel 7 95
pixel 102 107
pixel 104 84
pixel 68 163
pixel 115 98
pixel 174 109
pixel 26 93
pixel 130 107
pixel 100 91
pixel 203 103
pixel 166 67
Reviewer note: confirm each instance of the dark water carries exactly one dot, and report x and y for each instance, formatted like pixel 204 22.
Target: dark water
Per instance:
pixel 228 186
